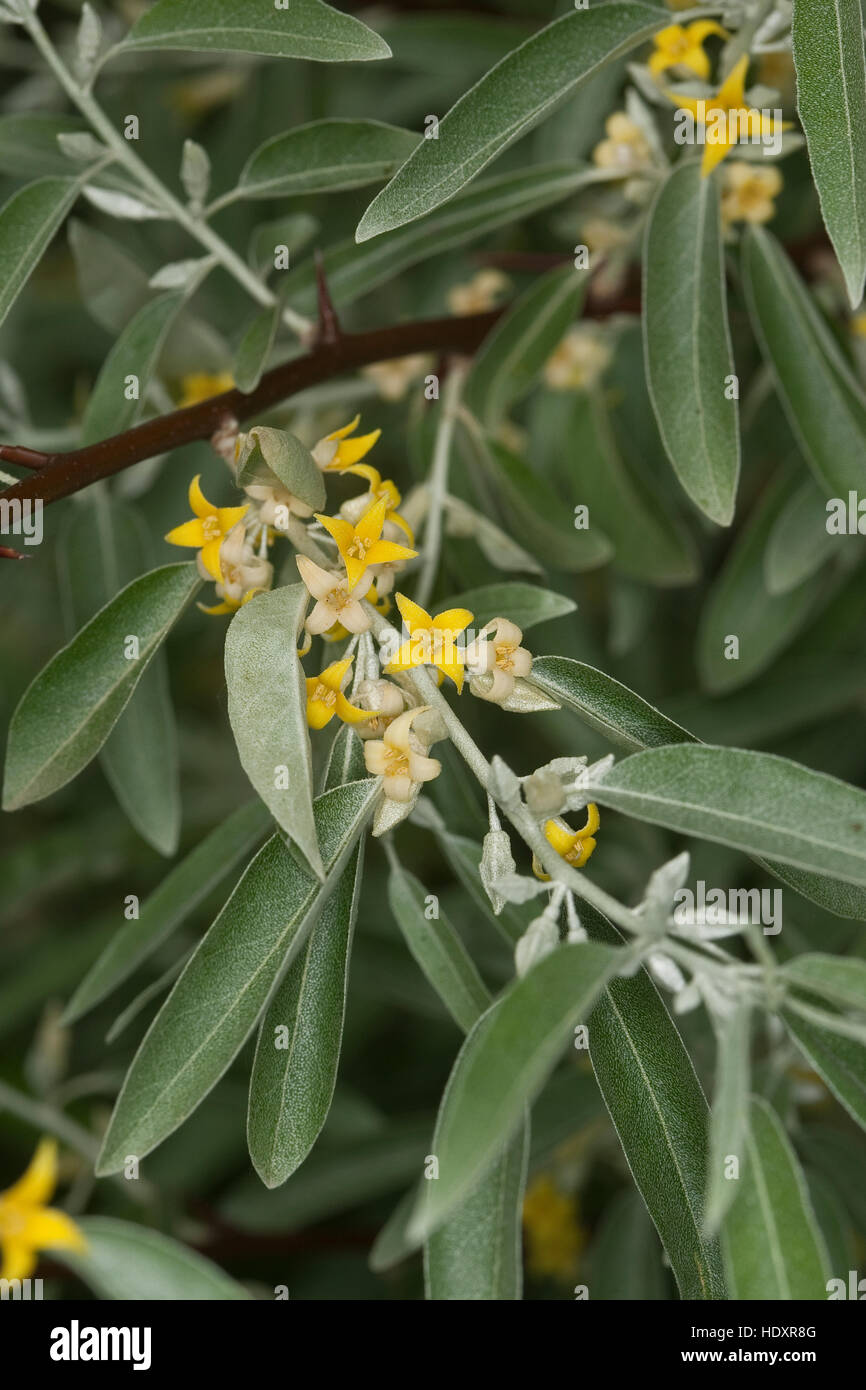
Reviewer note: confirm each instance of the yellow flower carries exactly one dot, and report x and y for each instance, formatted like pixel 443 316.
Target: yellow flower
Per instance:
pixel 481 293
pixel 575 846
pixel 727 116
pixel 325 697
pixel 682 46
pixel 554 1238
pixel 243 573
pixel 749 191
pixel 626 147
pixel 431 640
pixel 27 1224
pixel 337 451
pixel 361 545
pixel 400 758
pixel 208 530
pixel 200 386
pixel 334 602
pixel 379 487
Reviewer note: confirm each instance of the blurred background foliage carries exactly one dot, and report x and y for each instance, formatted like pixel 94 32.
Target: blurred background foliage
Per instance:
pixel 67 864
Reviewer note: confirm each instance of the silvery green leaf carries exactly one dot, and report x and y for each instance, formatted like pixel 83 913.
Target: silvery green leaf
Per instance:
pixel 501 1068
pixel 127 1261
pixel 68 711
pixel 664 881
pixel 519 888
pixel 389 814
pixel 81 146
pixel 496 860
pixel 822 398
pixel 757 802
pixel 799 542
pixel 87 41
pixel 325 156
pixel 136 353
pixel 828 57
pixel 116 203
pixel 494 543
pixel 292 1085
pixel 255 346
pixel 687 343
pixel 267 699
pixel 187 885
pixel 293 232
pixel 620 715
pixel 268 451
pixel 840 1062
pixel 104 545
pixel 230 978
pixel 525 87
pixel 523 604
pixel 438 950
pixel 304 29
pixel 773 1247
pixel 577 793
pixel 728 1120
pixel 181 275
pixel 841 979
pixel 195 172
pixel 666 972
pixel 28 222
pixel 538 941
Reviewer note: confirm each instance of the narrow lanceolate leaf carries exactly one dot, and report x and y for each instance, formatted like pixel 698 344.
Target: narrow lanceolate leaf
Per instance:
pixel 799 543
pixel 67 713
pixel 840 1062
pixel 323 157
pixel 521 90
pixel 254 348
pixel 687 343
pixel 180 892
pixel 126 1261
pixel 831 103
pixel 28 143
pixel 268 710
pixel 229 979
pixel 303 29
pixel 103 547
pixel 515 352
pixel 659 1111
pixel 626 1258
pixel 298 1051
pixel 355 270
pixel 27 224
pixel 438 950
pixel 841 979
pixel 604 704
pixel 477 1253
pixel 114 403
pixel 345 759
pixel 773 1247
pixel 525 604
pixel 501 1068
pixel 728 1115
pixel 756 802
pixel 823 400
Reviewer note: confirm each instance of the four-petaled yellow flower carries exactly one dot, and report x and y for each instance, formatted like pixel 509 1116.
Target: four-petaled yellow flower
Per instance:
pixel 325 697
pixel 682 46
pixel 575 846
pixel 400 758
pixel 727 117
pixel 200 386
pixel 27 1224
pixel 432 641
pixel 208 529
pixel 337 451
pixel 379 487
pixel 361 545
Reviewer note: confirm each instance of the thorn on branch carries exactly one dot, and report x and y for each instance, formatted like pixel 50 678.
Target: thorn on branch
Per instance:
pixel 329 331
pixel 25 458
pixel 7 554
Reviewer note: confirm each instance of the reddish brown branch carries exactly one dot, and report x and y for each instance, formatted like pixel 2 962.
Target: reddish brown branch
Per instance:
pixel 62 474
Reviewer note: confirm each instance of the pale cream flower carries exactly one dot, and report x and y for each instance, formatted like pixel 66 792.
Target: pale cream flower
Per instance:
pixel 400 759
pixel 579 360
pixel 625 148
pixel 749 191
pixel 393 378
pixel 600 235
pixel 495 659
pixel 336 602
pixel 276 504
pixel 242 571
pixel 384 700
pixel 481 293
